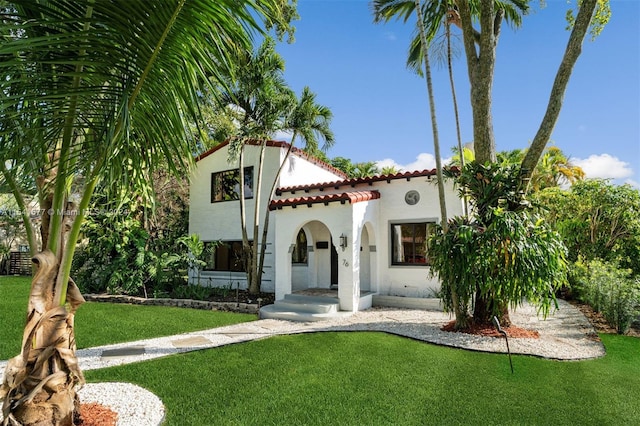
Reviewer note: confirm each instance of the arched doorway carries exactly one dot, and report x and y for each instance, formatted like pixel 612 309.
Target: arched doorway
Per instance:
pixel 314 260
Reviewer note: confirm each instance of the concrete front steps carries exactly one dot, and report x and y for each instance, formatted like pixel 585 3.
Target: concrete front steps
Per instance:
pixel 299 307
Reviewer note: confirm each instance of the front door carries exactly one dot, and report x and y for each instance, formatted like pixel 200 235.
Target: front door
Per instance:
pixel 334 266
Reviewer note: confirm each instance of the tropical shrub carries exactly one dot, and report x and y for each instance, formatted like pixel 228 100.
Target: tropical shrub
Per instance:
pixel 504 255
pixel 610 290
pixel 115 259
pixel 194 292
pixel 597 220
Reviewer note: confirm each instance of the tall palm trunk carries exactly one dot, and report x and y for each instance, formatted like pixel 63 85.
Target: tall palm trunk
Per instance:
pixel 432 108
pixel 461 317
pixel 247 256
pixel 267 213
pixel 255 284
pixel 455 107
pixel 569 59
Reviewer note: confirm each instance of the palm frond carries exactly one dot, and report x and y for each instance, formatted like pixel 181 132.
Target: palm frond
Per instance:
pixel 386 10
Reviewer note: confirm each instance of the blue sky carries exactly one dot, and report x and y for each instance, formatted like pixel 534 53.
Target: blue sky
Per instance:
pixel 357 68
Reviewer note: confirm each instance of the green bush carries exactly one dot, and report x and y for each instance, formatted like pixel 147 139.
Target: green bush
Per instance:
pixel 610 290
pixel 115 260
pixel 194 292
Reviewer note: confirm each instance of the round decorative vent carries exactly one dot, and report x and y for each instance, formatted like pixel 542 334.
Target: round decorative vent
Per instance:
pixel 412 197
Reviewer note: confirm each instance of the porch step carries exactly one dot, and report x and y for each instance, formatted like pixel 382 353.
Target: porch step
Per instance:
pixel 297 307
pixel 307 299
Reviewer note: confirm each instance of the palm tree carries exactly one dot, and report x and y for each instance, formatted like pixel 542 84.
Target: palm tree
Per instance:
pixel 554 169
pixel 386 10
pixel 109 90
pixel 365 169
pixel 390 170
pixel 436 15
pixel 311 122
pixel 259 98
pixel 480 52
pixel 481 60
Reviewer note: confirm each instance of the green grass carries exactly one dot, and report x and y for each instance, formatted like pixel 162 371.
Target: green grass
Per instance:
pixel 352 378
pixel 103 323
pixel 379 379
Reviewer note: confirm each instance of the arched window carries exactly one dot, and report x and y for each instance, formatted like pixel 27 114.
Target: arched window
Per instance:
pixel 299 254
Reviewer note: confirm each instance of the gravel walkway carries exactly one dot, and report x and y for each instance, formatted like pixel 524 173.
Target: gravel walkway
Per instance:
pixel 564 335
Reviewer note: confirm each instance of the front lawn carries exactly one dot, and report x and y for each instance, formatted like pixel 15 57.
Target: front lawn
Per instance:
pixel 104 323
pixel 352 378
pixel 378 379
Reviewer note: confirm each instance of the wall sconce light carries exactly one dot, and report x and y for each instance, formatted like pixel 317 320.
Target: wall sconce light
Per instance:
pixel 343 241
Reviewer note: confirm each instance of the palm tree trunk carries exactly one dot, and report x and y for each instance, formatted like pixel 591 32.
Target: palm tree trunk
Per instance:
pixel 254 286
pixel 461 316
pixel 39 384
pixel 480 66
pixel 455 109
pixel 247 257
pixel 267 213
pixel 571 54
pixel 434 124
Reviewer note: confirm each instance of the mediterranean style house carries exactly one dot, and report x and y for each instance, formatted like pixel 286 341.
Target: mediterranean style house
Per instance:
pixel 364 237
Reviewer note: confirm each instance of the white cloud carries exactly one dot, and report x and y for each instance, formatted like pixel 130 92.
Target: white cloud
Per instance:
pixel 388 162
pixel 390 36
pixel 282 136
pixel 423 161
pixel 633 183
pixel 604 166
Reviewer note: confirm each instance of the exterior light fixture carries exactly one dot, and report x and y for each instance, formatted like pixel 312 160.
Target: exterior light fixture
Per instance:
pixel 343 241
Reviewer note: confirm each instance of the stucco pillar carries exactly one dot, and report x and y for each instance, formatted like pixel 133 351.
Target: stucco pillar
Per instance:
pixel 348 272
pixel 283 240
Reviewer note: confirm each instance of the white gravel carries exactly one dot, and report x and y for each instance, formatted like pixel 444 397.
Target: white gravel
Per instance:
pixel 135 406
pixel 565 335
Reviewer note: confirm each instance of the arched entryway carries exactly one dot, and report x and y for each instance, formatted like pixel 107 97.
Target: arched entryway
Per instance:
pixel 314 260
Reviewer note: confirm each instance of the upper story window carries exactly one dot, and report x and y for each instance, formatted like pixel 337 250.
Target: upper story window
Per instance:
pixel 299 255
pixel 409 243
pixel 225 186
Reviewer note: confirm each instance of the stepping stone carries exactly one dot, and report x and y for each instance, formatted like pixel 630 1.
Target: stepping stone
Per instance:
pixel 123 352
pixel 240 331
pixel 190 342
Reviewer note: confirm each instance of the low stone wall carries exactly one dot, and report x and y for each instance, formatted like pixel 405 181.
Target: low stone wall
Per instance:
pixel 179 303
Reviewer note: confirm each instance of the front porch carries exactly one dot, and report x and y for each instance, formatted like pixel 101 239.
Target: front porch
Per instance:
pixel 312 304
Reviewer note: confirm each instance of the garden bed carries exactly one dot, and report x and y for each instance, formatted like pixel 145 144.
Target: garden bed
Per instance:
pixel 599 323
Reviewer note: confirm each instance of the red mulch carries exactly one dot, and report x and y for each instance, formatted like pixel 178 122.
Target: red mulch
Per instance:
pixel 490 331
pixel 94 414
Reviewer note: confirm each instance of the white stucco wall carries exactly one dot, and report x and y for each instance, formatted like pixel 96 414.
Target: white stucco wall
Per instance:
pixel 221 220
pixel 300 171
pixel 405 280
pixel 365 265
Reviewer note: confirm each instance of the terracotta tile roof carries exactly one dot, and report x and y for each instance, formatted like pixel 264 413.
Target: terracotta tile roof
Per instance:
pixel 280 144
pixel 350 197
pixel 359 181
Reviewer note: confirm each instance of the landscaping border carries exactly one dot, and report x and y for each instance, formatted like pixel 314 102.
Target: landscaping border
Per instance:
pixel 246 308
